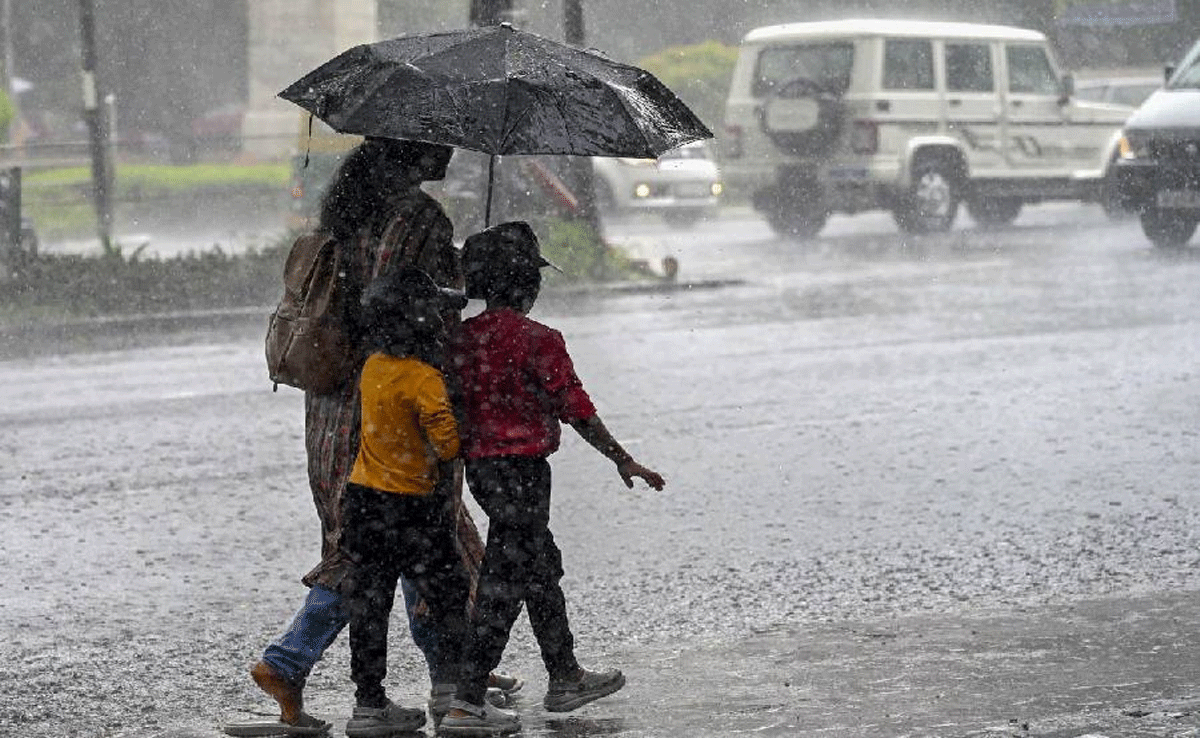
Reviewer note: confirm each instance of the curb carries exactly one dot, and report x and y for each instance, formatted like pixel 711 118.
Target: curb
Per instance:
pixel 27 339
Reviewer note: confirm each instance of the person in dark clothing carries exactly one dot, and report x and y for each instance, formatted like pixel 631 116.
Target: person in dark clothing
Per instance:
pixel 518 385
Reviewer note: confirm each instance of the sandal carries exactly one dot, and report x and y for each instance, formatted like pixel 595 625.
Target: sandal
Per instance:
pixel 306 725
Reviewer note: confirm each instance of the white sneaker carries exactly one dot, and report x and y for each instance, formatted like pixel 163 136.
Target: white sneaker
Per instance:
pixel 478 720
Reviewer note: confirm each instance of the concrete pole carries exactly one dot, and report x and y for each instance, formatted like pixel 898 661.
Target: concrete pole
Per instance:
pixel 579 169
pixel 94 117
pixel 6 44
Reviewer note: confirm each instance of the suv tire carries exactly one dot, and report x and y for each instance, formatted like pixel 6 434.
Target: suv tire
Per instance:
pixel 931 203
pixel 797 223
pixel 1168 230
pixel 794 206
pixel 995 211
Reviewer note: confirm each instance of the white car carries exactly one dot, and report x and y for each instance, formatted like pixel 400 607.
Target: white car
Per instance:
pixel 914 117
pixel 683 185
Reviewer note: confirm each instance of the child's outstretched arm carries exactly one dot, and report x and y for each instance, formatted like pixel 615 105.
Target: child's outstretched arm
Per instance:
pixel 594 432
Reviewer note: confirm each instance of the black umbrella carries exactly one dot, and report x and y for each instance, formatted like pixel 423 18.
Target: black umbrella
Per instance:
pixel 499 91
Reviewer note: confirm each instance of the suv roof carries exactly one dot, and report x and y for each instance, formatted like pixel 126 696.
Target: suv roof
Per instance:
pixel 885 27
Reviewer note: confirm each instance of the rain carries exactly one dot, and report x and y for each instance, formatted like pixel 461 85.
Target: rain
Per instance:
pixel 911 338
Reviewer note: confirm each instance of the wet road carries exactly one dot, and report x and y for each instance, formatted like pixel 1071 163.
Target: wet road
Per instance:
pixel 888 458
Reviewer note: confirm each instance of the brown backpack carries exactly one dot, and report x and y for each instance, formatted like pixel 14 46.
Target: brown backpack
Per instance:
pixel 312 340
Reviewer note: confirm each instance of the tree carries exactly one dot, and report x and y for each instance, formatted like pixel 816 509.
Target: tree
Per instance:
pixel 699 74
pixel 7 113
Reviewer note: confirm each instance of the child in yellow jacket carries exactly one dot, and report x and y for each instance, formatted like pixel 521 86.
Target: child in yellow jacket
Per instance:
pixel 393 523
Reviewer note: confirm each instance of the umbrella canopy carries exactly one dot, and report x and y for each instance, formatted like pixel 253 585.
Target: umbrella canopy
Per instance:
pixel 499 91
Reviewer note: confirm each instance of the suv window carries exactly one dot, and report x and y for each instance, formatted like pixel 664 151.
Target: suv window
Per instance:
pixel 828 65
pixel 1029 71
pixel 1188 74
pixel 969 68
pixel 908 64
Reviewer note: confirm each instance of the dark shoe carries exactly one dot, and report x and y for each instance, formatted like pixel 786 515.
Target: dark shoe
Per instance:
pixel 440 697
pixel 505 682
pixel 499 698
pixel 288 694
pixel 477 720
pixel 374 722
pixel 565 695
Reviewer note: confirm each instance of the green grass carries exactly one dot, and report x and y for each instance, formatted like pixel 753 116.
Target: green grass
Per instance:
pixel 59 201
pixel 163 177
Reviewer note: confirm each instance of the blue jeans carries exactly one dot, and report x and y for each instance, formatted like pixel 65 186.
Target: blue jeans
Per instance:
pixel 317 624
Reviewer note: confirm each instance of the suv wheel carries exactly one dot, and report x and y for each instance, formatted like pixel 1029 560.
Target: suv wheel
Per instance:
pixel 996 211
pixel 794 208
pixel 1168 230
pixel 799 222
pixel 931 203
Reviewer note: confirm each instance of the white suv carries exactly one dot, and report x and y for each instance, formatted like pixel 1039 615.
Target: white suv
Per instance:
pixel 909 116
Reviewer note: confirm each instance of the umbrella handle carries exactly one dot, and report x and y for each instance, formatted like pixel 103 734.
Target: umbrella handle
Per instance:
pixel 487 212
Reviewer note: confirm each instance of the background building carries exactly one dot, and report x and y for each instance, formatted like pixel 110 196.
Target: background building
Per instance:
pixel 195 77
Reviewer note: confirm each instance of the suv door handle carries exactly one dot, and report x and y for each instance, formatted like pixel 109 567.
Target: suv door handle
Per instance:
pixel 1017 103
pixel 955 103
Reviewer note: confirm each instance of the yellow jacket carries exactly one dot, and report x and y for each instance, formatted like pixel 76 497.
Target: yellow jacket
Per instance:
pixel 407 426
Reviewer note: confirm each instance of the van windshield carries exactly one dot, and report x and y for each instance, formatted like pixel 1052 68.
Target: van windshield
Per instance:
pixel 828 65
pixel 1188 74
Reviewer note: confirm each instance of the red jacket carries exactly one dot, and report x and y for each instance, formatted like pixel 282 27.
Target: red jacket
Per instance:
pixel 517 383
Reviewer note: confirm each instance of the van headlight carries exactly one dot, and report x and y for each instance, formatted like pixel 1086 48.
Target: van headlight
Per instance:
pixel 1133 145
pixel 716 188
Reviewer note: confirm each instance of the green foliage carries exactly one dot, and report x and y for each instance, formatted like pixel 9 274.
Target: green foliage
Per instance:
pixel 165 177
pixel 576 248
pixel 7 113
pixel 699 74
pixel 60 204
pixel 58 286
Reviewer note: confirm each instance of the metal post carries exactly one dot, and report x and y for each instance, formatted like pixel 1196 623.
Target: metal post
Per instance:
pixel 94 117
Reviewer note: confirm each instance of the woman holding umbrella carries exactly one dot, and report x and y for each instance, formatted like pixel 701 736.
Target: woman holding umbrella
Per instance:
pixel 375 208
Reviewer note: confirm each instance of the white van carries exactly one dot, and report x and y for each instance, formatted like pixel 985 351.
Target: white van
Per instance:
pixel 912 117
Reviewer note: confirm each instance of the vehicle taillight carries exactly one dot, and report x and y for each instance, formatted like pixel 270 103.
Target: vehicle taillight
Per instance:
pixel 864 137
pixel 732 143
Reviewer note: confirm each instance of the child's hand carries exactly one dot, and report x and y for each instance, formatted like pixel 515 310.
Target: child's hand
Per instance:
pixel 630 469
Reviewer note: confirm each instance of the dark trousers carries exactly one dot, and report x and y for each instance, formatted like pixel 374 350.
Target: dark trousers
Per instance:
pixel 521 565
pixel 388 535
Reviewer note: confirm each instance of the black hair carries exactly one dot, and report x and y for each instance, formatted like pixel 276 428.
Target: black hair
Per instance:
pixel 359 189
pixel 502 265
pixel 392 334
pixel 402 315
pixel 511 285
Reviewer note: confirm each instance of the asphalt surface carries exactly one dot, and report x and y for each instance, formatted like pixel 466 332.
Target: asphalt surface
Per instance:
pixel 931 488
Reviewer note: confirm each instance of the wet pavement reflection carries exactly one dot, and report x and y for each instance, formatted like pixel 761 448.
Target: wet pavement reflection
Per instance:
pixel 930 487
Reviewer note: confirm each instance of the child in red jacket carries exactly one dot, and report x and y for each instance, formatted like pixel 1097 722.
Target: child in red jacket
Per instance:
pixel 518 384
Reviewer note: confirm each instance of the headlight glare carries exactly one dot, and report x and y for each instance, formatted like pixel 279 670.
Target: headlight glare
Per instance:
pixel 1133 146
